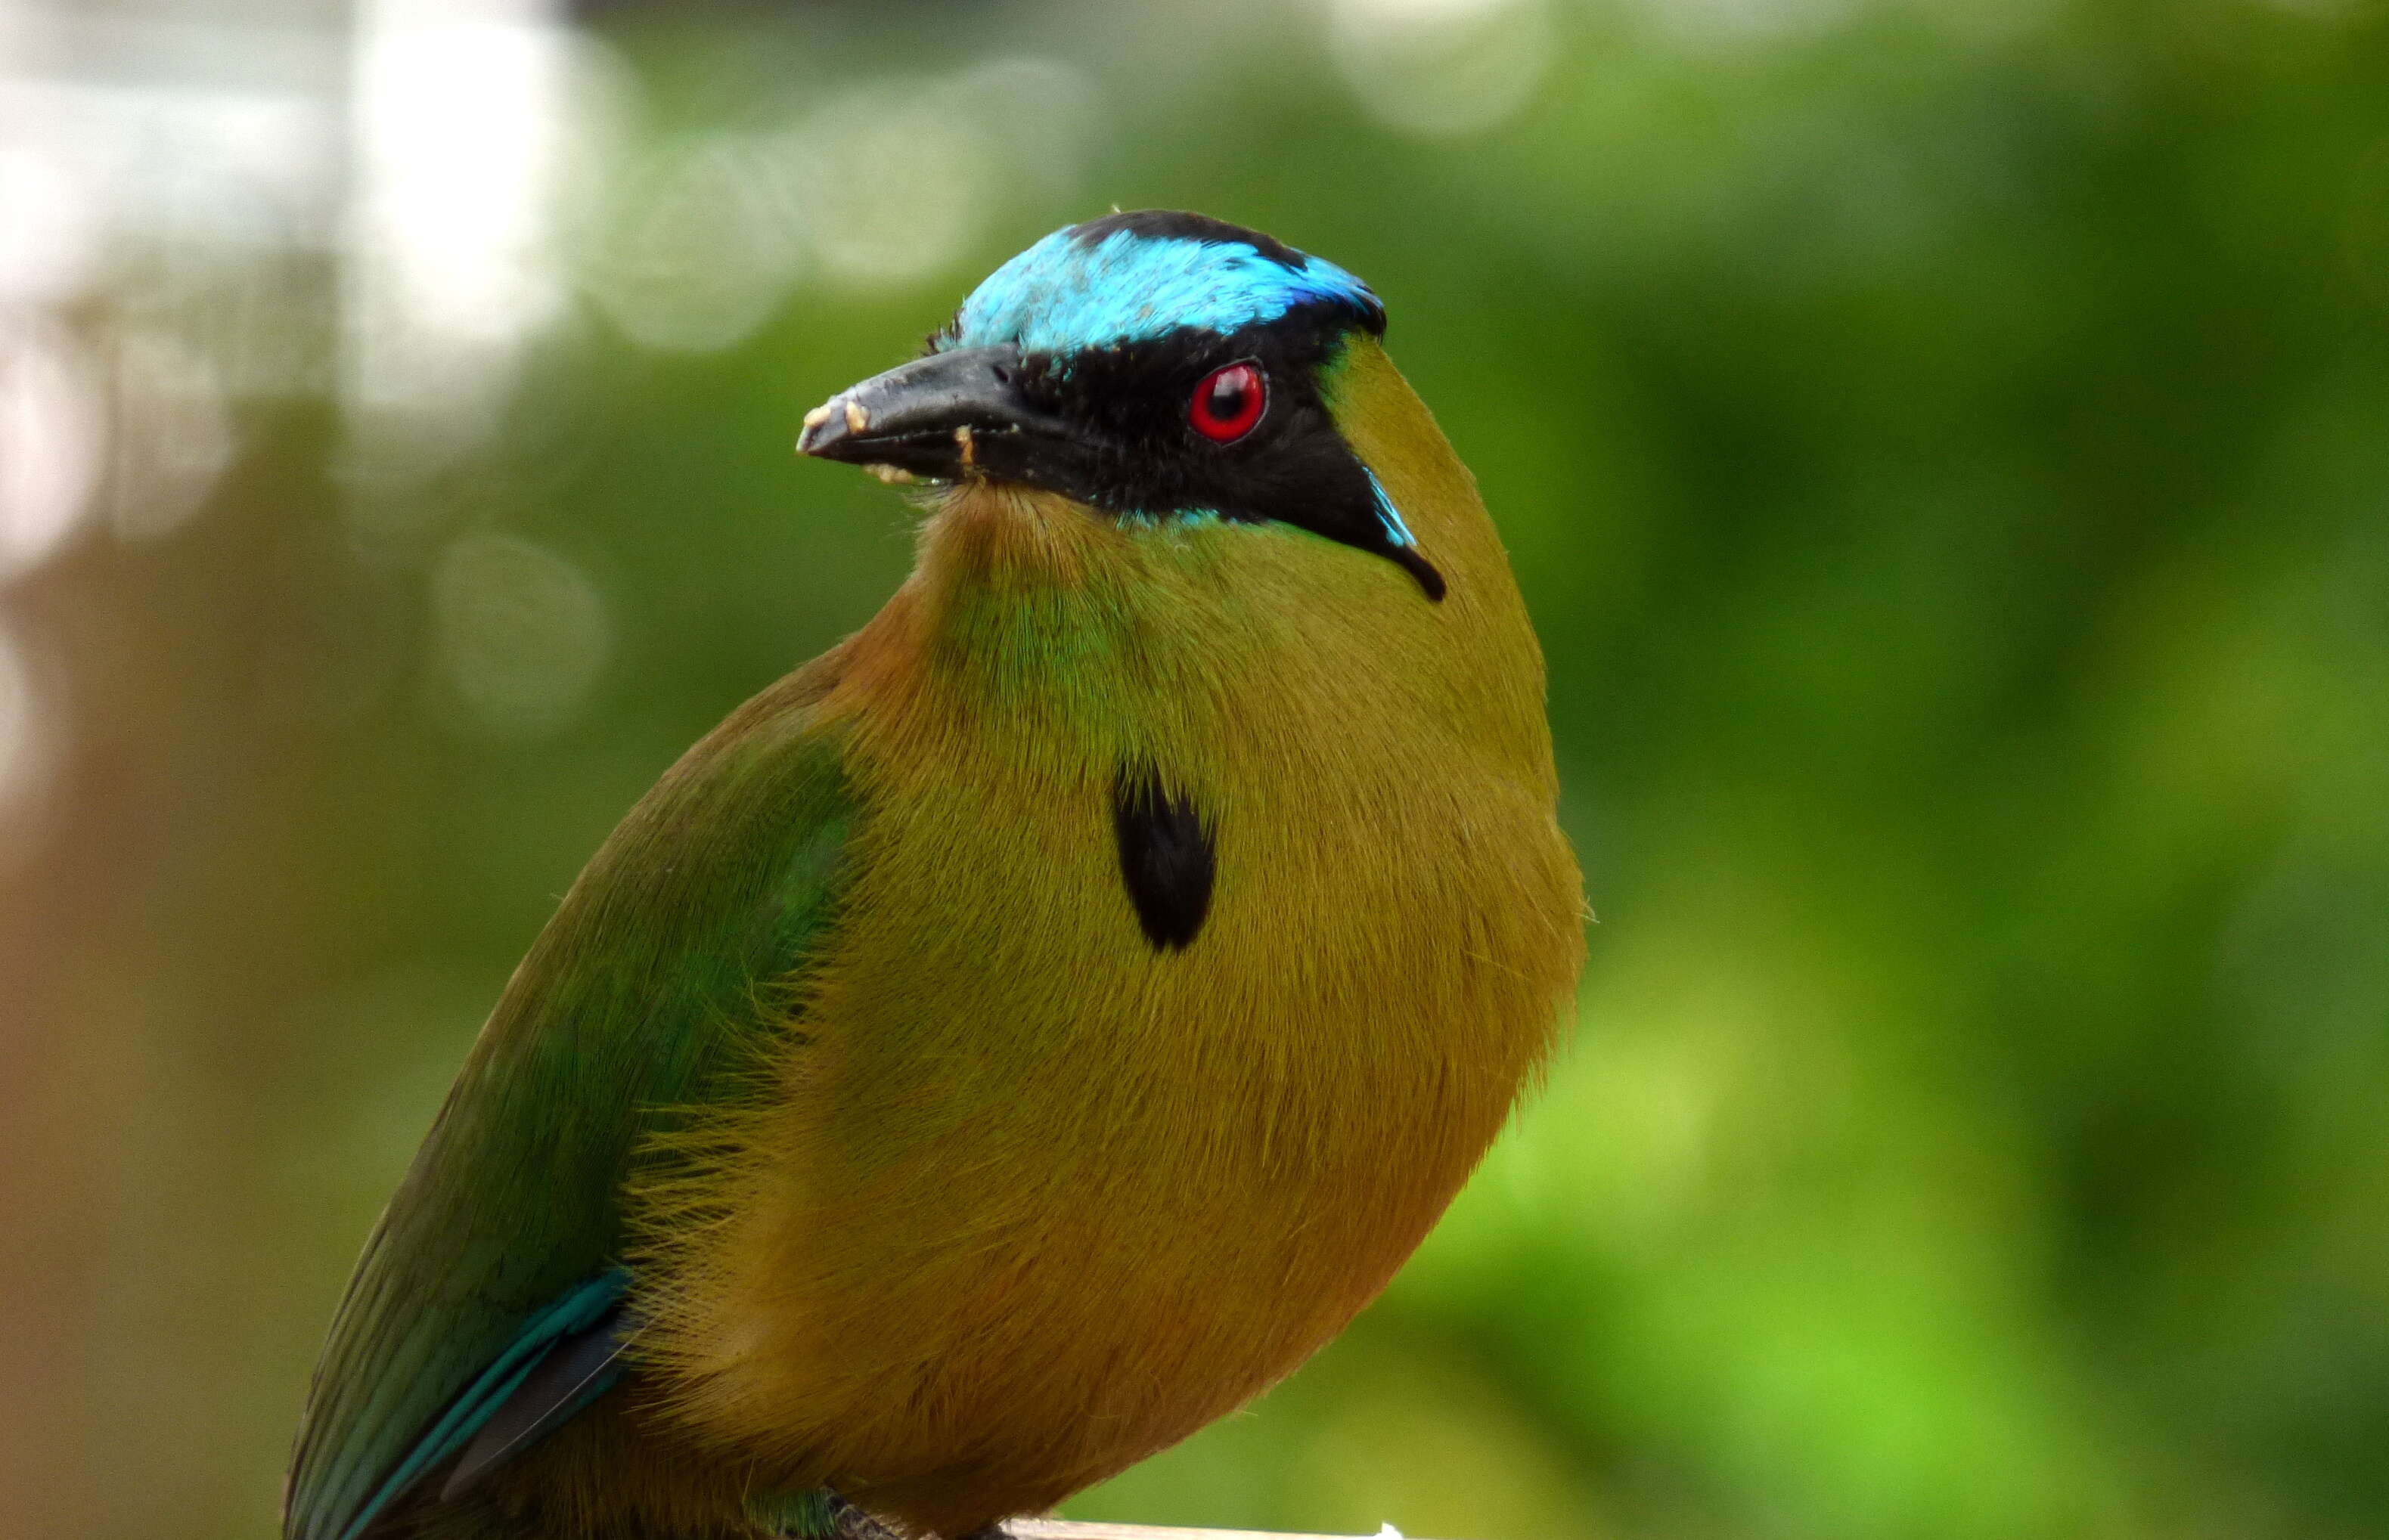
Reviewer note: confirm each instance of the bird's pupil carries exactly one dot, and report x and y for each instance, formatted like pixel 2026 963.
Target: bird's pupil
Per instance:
pixel 1228 395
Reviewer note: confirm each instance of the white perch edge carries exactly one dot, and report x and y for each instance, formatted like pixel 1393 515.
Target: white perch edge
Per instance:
pixel 1064 1529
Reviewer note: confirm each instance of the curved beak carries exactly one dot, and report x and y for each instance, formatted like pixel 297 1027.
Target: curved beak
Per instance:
pixel 946 417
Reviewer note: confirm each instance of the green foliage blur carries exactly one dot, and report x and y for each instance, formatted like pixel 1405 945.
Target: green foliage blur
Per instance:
pixel 1945 445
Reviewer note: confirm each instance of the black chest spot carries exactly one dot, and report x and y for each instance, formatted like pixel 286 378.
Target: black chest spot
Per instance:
pixel 1165 856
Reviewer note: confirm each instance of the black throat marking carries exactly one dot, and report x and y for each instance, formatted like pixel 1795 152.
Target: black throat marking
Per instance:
pixel 1165 856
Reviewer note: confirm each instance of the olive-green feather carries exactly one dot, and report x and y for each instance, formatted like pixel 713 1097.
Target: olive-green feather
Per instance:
pixel 663 981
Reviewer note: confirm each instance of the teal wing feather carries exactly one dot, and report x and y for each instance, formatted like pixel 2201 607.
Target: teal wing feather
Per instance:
pixel 649 994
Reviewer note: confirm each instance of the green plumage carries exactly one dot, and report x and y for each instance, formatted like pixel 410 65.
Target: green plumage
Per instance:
pixel 651 991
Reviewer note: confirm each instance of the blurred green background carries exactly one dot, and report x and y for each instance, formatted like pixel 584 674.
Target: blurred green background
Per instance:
pixel 1945 444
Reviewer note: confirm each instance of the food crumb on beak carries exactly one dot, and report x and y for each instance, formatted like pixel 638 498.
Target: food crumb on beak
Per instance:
pixel 963 442
pixel 857 419
pixel 895 476
pixel 818 415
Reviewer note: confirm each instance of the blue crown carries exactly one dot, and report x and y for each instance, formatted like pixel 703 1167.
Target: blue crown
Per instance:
pixel 1133 277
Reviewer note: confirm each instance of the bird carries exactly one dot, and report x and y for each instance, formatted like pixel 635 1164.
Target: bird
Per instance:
pixel 1028 1030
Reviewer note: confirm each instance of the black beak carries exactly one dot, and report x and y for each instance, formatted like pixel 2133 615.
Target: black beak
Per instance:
pixel 946 417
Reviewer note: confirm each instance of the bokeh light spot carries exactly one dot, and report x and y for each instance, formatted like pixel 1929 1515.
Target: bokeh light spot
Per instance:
pixel 1441 67
pixel 520 635
pixel 29 748
pixel 1044 109
pixel 48 246
pixel 1746 20
pixel 896 184
pixel 53 430
pixel 703 242
pixel 174 434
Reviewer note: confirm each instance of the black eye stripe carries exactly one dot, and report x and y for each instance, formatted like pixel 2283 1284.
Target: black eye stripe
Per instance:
pixel 1145 454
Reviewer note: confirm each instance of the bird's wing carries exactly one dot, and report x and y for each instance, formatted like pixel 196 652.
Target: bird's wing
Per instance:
pixel 648 995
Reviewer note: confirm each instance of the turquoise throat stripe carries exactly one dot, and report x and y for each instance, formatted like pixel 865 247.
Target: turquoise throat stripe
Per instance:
pixel 1389 515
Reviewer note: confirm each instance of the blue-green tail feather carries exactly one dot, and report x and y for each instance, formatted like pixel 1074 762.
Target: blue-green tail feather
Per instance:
pixel 590 1310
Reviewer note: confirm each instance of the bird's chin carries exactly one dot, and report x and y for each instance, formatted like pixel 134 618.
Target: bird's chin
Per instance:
pixel 1005 535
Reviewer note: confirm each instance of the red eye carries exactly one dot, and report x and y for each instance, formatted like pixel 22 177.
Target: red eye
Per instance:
pixel 1228 403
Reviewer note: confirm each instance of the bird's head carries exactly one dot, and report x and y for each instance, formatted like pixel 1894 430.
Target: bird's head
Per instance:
pixel 1151 368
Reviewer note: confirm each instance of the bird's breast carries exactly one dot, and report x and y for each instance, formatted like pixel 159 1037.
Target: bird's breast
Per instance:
pixel 1038 1189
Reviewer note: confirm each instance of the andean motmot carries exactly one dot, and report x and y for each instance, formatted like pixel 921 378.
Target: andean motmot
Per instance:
pixel 1031 1028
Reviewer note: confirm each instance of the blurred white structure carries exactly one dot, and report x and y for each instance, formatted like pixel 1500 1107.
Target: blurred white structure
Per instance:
pixel 52 428
pixel 150 172
pixel 469 123
pixel 156 175
pixel 395 205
